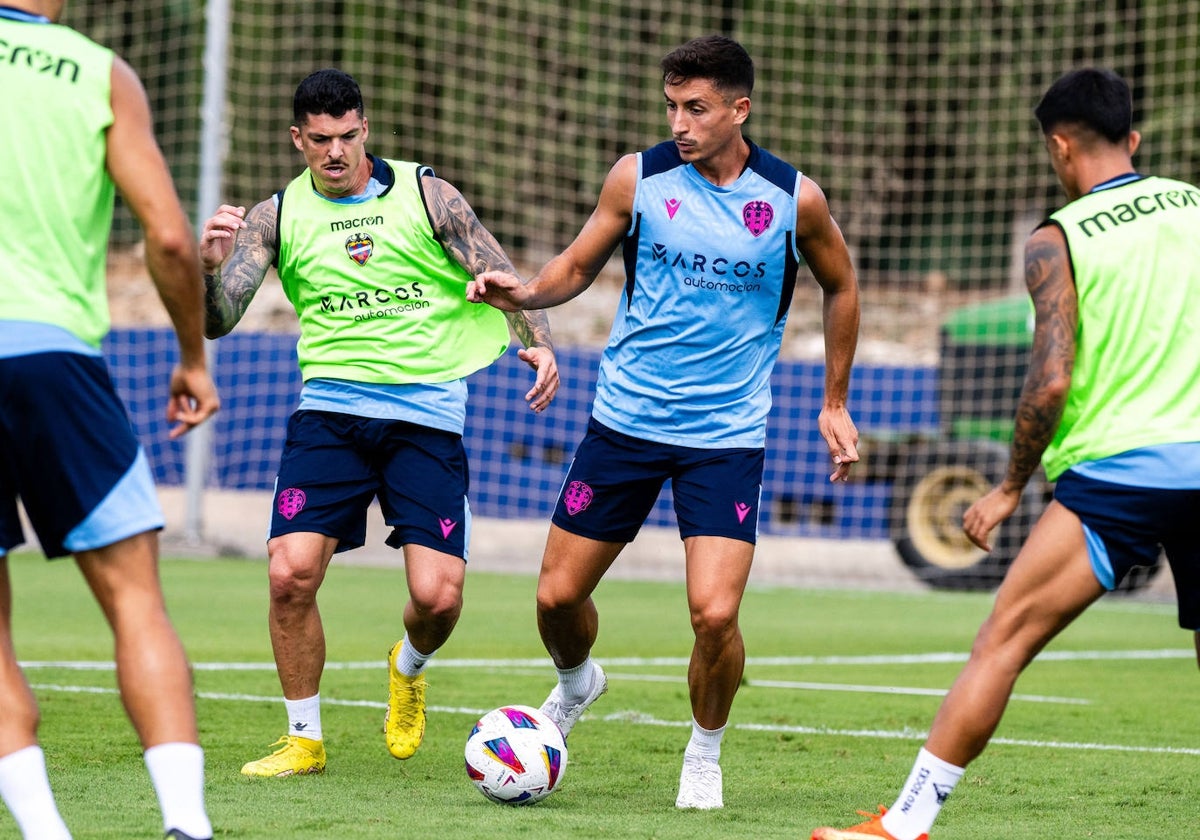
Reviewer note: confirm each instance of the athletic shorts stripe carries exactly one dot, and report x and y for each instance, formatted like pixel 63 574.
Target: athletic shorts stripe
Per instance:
pixel 1127 526
pixel 334 465
pixel 615 479
pixel 67 450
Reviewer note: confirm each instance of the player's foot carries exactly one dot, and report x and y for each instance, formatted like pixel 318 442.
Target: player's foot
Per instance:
pixel 869 830
pixel 295 757
pixel 404 720
pixel 700 784
pixel 179 834
pixel 565 714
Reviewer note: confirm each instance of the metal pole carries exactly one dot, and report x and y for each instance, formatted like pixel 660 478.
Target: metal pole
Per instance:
pixel 198 454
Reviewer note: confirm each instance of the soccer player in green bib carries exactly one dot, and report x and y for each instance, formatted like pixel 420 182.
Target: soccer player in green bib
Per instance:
pixel 76 130
pixel 375 255
pixel 1111 408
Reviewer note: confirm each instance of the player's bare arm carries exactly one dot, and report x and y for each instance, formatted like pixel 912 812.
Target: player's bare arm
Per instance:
pixel 573 270
pixel 139 171
pixel 1052 361
pixel 474 248
pixel 824 250
pixel 1048 277
pixel 236 253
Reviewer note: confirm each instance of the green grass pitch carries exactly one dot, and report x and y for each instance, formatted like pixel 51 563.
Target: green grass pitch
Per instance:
pixel 1101 740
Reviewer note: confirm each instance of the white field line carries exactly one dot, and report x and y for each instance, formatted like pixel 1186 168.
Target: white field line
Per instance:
pixel 671 661
pixel 906 734
pixel 523 666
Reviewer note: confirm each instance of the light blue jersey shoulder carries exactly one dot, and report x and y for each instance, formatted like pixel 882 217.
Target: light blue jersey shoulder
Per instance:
pixel 709 275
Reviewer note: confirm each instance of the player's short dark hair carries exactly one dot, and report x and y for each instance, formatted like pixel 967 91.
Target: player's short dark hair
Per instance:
pixel 721 60
pixel 1094 98
pixel 327 91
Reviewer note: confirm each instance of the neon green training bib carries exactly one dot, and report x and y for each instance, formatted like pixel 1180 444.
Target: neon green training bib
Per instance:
pixel 379 299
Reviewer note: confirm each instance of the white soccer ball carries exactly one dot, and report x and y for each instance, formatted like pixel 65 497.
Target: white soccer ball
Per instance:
pixel 516 755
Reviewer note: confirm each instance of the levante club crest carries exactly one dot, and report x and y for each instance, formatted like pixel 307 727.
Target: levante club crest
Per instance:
pixel 360 247
pixel 758 215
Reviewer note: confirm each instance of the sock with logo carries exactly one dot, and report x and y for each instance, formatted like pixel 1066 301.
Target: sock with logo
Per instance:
pixel 177 771
pixel 411 661
pixel 304 717
pixel 25 788
pixel 928 785
pixel 576 682
pixel 705 743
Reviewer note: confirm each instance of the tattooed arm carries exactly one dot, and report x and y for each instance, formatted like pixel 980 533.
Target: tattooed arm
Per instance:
pixel 1052 361
pixel 472 245
pixel 236 249
pixel 1048 276
pixel 474 248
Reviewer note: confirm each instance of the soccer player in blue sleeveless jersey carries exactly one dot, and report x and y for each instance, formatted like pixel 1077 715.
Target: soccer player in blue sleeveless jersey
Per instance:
pixel 1111 410
pixel 713 230
pixel 76 129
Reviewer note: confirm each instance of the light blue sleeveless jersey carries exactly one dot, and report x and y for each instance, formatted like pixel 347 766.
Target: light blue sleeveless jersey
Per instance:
pixel 709 275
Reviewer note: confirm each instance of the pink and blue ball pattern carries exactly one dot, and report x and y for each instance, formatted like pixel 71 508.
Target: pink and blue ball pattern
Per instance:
pixel 520 719
pixel 553 759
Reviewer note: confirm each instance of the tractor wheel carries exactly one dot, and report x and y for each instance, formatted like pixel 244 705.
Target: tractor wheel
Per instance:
pixel 934 488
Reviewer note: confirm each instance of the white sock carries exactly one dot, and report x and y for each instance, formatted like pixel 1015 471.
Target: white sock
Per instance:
pixel 177 772
pixel 922 796
pixel 411 661
pixel 576 682
pixel 304 717
pixel 25 788
pixel 705 743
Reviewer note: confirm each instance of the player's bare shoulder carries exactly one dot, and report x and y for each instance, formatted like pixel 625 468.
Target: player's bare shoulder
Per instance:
pixel 262 225
pixel 812 208
pixel 445 204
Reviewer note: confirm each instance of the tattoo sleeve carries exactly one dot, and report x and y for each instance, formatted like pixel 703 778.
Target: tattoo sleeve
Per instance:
pixel 228 292
pixel 1048 276
pixel 473 247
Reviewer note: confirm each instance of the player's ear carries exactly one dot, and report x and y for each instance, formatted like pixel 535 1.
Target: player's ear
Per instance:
pixel 1135 140
pixel 741 109
pixel 1059 146
pixel 296 138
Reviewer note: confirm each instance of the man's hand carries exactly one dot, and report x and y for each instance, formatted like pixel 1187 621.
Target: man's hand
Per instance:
pixel 989 512
pixel 545 386
pixel 841 436
pixel 193 399
pixel 500 289
pixel 220 231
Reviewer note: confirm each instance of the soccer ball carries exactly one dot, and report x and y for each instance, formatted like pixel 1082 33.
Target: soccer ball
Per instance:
pixel 516 755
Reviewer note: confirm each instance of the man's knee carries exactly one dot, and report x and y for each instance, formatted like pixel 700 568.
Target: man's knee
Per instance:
pixel 715 620
pixel 292 576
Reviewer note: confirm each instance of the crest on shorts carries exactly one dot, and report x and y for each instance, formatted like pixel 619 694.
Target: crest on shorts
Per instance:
pixel 360 246
pixel 577 497
pixel 290 502
pixel 758 216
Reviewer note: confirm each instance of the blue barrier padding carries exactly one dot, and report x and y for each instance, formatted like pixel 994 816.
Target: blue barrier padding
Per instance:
pixel 518 459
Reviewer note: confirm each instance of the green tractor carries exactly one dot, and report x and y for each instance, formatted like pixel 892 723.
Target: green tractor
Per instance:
pixel 984 357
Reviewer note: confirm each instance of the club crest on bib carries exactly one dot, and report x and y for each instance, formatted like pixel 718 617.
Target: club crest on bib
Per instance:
pixel 360 247
pixel 758 216
pixel 577 497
